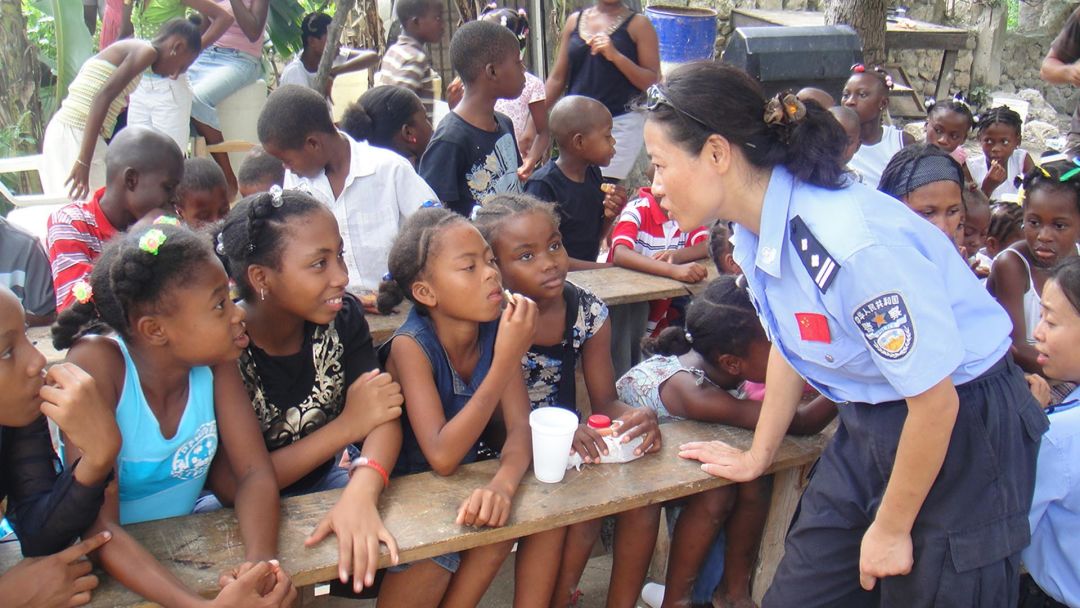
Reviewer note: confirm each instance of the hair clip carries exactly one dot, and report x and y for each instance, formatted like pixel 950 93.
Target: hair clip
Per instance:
pixel 784 109
pixel 1020 195
pixel 219 243
pixel 430 204
pixel 168 220
pixel 689 338
pixel 858 68
pixel 276 200
pixel 152 241
pixel 388 277
pixel 82 291
pixel 1071 172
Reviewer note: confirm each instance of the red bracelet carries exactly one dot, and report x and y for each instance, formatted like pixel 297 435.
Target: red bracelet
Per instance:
pixel 363 461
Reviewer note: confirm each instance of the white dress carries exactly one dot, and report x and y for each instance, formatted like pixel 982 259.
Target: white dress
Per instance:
pixel 977 166
pixel 870 161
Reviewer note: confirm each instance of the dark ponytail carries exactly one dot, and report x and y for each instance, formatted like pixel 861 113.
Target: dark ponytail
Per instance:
pixel 188 29
pixel 719 321
pixel 705 97
pixel 380 113
pixel 128 279
pixel 1067 276
pixel 410 252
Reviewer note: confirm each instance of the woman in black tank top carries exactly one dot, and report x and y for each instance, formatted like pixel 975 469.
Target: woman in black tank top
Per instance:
pixel 611 54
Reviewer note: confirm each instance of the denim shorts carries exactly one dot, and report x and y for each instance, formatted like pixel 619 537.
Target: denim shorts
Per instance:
pixel 335 478
pixel 216 74
pixel 448 561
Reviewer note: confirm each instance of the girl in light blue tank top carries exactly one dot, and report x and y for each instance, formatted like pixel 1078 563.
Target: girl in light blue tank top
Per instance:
pixel 162 477
pixel 168 367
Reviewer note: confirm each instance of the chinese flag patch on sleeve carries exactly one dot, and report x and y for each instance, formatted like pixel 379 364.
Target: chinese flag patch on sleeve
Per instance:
pixel 813 327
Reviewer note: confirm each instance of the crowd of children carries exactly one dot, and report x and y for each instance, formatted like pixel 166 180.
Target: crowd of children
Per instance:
pixel 218 352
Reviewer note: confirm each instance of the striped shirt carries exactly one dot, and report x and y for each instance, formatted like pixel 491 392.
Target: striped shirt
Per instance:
pixel 644 227
pixel 77 234
pixel 407 64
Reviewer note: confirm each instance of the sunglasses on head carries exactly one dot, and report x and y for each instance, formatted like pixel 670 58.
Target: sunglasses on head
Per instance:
pixel 655 96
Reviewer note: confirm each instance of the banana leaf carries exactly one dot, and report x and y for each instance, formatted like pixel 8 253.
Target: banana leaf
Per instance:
pixel 73 43
pixel 283 26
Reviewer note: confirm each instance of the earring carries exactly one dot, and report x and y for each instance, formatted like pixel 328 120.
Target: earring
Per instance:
pixel 262 294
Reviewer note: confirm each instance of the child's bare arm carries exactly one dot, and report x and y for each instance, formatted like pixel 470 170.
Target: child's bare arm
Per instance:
pixel 692 253
pixel 628 258
pixel 599 375
pixel 1008 283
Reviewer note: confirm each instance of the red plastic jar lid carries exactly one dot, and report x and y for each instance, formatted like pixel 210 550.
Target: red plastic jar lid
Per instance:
pixel 599 421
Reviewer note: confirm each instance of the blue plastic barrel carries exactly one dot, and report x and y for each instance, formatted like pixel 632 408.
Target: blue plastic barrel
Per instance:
pixel 685 33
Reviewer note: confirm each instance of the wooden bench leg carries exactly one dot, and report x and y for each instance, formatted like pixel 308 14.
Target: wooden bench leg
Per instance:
pixel 659 561
pixel 945 76
pixel 788 486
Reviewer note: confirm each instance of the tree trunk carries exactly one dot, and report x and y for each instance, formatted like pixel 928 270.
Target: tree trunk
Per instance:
pixel 867 18
pixel 20 106
pixel 988 21
pixel 333 33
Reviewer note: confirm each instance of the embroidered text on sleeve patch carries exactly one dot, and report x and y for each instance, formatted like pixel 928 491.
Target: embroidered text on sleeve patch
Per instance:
pixel 886 325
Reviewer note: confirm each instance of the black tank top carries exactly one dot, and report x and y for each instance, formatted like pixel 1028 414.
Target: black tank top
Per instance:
pixel 596 77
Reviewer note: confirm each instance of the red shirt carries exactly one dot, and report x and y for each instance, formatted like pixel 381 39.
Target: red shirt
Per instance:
pixel 644 227
pixel 77 234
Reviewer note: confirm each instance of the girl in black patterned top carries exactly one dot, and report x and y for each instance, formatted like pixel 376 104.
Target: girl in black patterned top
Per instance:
pixel 310 369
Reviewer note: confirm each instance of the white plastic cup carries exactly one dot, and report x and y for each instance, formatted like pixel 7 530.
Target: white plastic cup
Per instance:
pixel 553 431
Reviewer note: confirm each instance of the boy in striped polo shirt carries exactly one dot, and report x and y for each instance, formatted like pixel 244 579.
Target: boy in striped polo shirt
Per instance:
pixel 407 63
pixel 142 170
pixel 647 240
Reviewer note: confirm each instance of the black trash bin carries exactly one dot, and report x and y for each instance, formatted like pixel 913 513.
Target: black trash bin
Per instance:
pixel 783 58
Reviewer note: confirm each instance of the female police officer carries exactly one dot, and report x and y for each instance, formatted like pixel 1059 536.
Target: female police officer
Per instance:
pixel 921 499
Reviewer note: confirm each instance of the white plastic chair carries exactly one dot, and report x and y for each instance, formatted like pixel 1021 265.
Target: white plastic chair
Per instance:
pixel 32 211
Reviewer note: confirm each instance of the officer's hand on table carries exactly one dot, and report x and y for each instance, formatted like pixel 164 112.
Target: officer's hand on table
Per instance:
pixel 722 460
pixel 884 553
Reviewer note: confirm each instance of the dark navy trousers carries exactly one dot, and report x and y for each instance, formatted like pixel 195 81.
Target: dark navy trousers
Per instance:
pixel 968 535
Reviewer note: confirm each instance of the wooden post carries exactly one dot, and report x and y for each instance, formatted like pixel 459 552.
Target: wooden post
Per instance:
pixel 788 486
pixel 333 37
pixel 988 21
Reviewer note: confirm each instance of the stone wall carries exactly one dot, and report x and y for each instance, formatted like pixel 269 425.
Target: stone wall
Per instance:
pixel 1020 61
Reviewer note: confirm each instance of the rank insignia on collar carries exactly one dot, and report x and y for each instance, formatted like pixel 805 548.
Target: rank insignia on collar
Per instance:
pixel 821 266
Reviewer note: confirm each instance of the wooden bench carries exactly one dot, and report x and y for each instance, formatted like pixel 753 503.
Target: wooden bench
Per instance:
pixel 420 509
pixel 615 286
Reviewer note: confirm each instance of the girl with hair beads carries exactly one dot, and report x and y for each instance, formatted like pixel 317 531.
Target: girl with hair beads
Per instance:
pixel 169 369
pixel 938 436
pixel 1051 227
pixel 390 117
pixel 462 384
pixel 74 142
pixel 1003 161
pixel 48 510
pixel 310 369
pixel 930 182
pixel 697 373
pixel 948 123
pixel 572 326
pixel 867 92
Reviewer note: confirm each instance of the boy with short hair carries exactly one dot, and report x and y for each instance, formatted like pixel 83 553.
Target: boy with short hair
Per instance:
pixel 142 170
pixel 258 172
pixel 369 190
pixel 24 269
pixel 582 128
pixel 407 63
pixel 473 152
pixel 646 239
pixel 202 196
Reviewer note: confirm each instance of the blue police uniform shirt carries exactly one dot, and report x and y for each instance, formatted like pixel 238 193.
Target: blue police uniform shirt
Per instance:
pixel 1053 557
pixel 865 299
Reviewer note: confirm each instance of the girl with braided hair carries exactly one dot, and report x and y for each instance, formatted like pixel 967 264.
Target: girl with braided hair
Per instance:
pixel 867 92
pixel 1003 161
pixel 1051 228
pixel 167 364
pixel 696 373
pixel 310 369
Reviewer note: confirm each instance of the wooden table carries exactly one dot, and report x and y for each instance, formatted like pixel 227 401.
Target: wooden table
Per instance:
pixel 900 34
pixel 614 286
pixel 420 510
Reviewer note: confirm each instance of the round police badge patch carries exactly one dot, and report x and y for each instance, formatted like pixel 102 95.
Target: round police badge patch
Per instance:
pixel 886 325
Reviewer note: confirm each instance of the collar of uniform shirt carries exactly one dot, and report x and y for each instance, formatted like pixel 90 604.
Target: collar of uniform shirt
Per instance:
pixel 774 220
